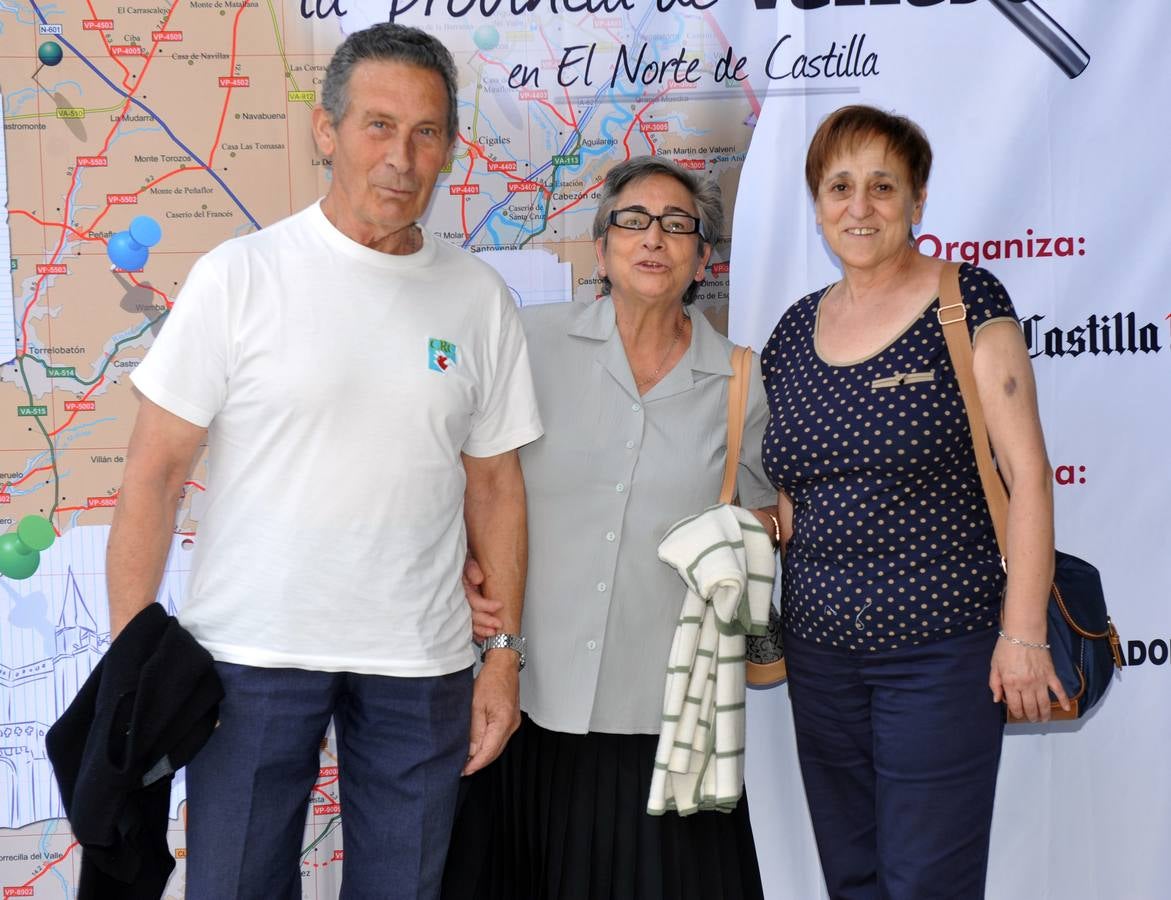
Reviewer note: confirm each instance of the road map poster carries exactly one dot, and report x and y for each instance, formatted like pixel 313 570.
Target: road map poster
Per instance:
pixel 150 132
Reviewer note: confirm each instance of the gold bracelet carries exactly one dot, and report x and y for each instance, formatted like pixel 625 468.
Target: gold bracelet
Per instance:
pixel 776 529
pixel 1032 645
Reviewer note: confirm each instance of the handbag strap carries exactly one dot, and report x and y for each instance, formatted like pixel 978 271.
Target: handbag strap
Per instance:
pixel 952 315
pixel 737 409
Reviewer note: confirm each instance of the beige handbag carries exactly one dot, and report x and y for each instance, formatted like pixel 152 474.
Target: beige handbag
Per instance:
pixel 764 654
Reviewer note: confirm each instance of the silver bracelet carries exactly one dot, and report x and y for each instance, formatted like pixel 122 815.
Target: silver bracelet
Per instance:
pixel 1032 645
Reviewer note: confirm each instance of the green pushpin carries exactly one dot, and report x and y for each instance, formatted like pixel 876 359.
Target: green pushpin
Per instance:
pixel 20 550
pixel 36 532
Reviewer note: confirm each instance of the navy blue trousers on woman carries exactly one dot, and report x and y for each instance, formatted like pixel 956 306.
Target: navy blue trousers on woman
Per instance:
pixel 401 744
pixel 899 752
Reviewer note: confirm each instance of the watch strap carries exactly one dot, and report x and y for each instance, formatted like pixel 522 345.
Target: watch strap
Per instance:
pixel 513 642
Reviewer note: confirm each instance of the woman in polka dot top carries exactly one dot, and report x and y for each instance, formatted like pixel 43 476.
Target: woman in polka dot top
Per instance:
pixel 902 634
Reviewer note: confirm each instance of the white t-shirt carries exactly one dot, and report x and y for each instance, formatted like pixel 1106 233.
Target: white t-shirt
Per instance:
pixel 339 385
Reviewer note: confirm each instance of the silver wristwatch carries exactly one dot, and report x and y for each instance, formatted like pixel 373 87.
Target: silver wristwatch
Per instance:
pixel 513 642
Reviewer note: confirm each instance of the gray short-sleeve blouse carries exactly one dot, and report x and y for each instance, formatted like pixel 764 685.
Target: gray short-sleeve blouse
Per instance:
pixel 611 474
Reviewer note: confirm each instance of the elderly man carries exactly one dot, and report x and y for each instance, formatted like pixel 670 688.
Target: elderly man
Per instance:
pixel 362 388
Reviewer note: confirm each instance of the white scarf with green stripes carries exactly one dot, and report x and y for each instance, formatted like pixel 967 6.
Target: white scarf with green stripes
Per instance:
pixel 727 562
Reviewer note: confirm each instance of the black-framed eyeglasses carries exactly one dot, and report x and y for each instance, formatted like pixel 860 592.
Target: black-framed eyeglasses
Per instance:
pixel 640 220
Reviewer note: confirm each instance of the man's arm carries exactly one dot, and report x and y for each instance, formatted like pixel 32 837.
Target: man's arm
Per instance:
pixel 494 512
pixel 162 449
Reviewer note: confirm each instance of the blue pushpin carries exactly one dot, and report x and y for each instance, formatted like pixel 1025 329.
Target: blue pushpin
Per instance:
pixel 129 250
pixel 145 231
pixel 126 253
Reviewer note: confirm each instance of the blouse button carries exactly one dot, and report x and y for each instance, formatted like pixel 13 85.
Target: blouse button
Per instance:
pixel 620 487
pixel 601 587
pixel 610 536
pixel 630 445
pixel 636 406
pixel 591 645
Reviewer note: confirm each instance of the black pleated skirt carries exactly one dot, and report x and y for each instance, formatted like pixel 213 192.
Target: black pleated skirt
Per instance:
pixel 563 817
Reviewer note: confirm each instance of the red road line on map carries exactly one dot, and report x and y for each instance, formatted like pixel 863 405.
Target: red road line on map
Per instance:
pixel 42 222
pixel 572 204
pixel 565 88
pixel 50 865
pixel 638 118
pixel 58 430
pixel 106 44
pixel 61 509
pixel 24 477
pixel 150 57
pixel 726 44
pixel 126 106
pixel 463 198
pixel 73 184
pixel 556 112
pixel 625 145
pixel 228 96
pixel 167 301
pixel 61 239
pixel 171 174
pixel 146 187
pixel 153 47
pixel 53 259
pixel 474 150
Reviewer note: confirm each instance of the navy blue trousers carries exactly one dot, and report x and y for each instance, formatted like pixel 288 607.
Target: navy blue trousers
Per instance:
pixel 401 744
pixel 899 752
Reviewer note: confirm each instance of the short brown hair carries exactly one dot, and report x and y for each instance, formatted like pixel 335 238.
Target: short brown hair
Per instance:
pixel 846 128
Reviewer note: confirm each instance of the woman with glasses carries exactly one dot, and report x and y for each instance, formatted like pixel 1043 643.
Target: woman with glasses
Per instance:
pixel 633 393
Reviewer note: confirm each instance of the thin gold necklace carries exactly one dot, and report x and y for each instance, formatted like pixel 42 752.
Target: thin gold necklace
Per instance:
pixel 679 326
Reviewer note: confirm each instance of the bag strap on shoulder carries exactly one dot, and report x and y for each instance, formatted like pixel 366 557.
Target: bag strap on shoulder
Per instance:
pixel 737 410
pixel 952 315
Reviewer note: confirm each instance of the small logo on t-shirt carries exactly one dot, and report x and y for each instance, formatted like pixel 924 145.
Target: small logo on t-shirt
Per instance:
pixel 441 354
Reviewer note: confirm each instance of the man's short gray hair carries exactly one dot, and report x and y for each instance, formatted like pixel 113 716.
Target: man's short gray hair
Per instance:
pixel 704 191
pixel 389 43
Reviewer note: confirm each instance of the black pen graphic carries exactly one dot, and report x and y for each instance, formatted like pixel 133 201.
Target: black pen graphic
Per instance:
pixel 1040 28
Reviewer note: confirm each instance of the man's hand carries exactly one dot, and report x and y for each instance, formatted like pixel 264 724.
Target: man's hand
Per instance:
pixel 495 708
pixel 494 511
pixel 485 621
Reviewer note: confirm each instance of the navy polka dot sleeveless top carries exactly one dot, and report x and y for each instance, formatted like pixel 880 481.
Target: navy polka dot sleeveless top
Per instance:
pixel 892 543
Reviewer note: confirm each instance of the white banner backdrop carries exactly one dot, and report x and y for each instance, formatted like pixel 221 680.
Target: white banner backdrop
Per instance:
pixel 1057 184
